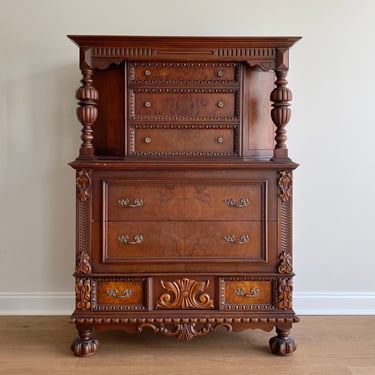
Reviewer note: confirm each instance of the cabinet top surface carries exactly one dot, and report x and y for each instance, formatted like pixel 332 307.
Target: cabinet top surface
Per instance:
pixel 181 41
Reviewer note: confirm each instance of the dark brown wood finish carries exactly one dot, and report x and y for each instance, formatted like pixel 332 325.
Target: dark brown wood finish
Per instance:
pixel 184 187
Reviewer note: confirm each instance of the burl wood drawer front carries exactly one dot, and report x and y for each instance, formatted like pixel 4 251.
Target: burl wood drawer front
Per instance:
pixel 239 293
pixel 138 201
pixel 119 294
pixel 181 141
pixel 180 72
pixel 199 239
pixel 181 103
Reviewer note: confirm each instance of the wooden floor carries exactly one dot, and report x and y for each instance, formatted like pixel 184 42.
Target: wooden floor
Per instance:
pixel 326 346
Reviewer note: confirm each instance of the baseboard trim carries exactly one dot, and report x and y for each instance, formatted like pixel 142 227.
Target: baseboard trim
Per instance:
pixel 334 303
pixel 304 303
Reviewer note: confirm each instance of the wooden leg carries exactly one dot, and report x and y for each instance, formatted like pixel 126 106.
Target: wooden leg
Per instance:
pixel 84 345
pixel 282 344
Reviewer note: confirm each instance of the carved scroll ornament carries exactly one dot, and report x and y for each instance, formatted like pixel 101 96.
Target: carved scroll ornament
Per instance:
pixel 185 294
pixel 83 183
pixel 285 265
pixel 285 290
pixel 285 185
pixel 83 294
pixel 83 263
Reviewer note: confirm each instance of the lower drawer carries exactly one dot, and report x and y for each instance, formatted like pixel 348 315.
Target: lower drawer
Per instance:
pixel 176 239
pixel 119 294
pixel 247 294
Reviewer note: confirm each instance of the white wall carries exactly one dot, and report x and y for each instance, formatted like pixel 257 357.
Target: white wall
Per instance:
pixel 331 135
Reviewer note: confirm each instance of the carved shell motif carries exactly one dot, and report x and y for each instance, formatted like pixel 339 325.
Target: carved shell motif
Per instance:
pixel 185 294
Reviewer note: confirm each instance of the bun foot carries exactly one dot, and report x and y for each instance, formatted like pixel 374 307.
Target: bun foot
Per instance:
pixel 282 344
pixel 84 345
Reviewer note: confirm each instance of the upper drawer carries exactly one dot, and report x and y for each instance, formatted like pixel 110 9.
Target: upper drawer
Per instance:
pixel 179 72
pixel 147 200
pixel 184 104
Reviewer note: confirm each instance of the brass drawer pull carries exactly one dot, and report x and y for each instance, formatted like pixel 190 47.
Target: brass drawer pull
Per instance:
pixel 124 239
pixel 220 104
pixel 124 202
pixel 220 73
pixel 148 104
pixel 126 293
pixel 220 140
pixel 147 140
pixel 147 73
pixel 253 292
pixel 244 202
pixel 244 238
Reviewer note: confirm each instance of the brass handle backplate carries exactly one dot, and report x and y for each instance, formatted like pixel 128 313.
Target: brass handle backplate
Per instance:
pixel 124 239
pixel 126 293
pixel 244 239
pixel 253 292
pixel 124 202
pixel 244 202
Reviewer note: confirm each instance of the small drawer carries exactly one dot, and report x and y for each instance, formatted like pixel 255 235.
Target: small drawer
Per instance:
pixel 189 72
pixel 119 294
pixel 184 104
pixel 247 294
pixel 192 140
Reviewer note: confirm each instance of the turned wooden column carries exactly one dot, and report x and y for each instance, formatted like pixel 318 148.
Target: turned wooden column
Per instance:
pixel 87 112
pixel 281 96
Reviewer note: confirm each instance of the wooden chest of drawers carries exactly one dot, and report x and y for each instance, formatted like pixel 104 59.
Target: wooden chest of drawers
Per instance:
pixel 184 187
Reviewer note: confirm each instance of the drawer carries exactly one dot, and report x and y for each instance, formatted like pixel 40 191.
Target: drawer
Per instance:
pixel 146 200
pixel 248 294
pixel 184 293
pixel 192 140
pixel 183 104
pixel 189 72
pixel 119 294
pixel 183 239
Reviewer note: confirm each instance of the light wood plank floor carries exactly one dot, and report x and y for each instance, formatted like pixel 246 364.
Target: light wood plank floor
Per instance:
pixel 343 345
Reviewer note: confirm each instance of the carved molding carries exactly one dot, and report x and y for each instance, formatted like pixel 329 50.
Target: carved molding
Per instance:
pixel 285 184
pixel 83 265
pixel 285 262
pixel 185 294
pixel 83 182
pixel 247 52
pixel 285 289
pixel 83 294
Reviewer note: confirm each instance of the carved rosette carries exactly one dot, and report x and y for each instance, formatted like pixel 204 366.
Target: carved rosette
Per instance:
pixel 87 111
pixel 285 185
pixel 185 294
pixel 83 182
pixel 83 294
pixel 285 290
pixel 83 263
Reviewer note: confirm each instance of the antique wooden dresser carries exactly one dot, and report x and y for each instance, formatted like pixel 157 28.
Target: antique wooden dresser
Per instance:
pixel 184 187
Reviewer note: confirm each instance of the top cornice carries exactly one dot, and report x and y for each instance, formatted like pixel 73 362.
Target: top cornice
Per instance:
pixel 265 53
